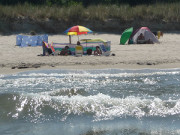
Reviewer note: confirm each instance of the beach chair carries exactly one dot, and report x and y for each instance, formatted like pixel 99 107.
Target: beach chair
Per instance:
pixel 105 52
pixel 78 50
pixel 54 52
pixel 46 44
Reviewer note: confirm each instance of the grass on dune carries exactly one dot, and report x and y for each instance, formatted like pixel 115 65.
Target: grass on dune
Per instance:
pixel 156 12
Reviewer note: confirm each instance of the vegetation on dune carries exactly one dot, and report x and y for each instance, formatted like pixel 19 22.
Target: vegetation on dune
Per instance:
pixel 166 12
pixel 53 16
pixel 84 2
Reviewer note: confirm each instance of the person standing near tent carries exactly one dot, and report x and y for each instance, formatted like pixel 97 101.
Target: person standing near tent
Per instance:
pixel 141 39
pixel 158 34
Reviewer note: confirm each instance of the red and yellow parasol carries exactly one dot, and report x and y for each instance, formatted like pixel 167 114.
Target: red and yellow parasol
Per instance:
pixel 77 30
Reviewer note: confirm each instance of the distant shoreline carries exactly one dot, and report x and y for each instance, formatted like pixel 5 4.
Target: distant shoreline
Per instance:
pixel 8 71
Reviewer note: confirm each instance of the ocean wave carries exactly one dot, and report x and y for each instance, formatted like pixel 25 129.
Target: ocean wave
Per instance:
pixel 46 107
pixel 99 95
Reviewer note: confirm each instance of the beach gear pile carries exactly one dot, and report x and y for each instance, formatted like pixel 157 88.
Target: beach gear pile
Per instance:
pixel 86 47
pixel 131 36
pixel 29 40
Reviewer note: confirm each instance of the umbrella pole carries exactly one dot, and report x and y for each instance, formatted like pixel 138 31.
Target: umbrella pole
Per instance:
pixel 69 39
pixel 86 46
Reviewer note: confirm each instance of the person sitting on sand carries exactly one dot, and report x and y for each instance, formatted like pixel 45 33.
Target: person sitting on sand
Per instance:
pixel 130 41
pixel 89 51
pixel 141 39
pixel 98 51
pixel 78 43
pixel 149 42
pixel 65 51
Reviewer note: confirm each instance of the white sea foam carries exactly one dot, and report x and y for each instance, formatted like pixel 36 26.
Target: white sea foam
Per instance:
pixel 94 102
pixel 99 73
pixel 100 106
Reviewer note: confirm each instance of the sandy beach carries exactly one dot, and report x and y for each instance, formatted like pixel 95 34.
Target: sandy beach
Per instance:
pixel 157 56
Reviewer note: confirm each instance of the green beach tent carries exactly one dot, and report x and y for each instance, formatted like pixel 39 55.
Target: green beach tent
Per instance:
pixel 126 35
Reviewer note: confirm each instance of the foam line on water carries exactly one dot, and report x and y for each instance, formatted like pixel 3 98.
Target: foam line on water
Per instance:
pixel 100 106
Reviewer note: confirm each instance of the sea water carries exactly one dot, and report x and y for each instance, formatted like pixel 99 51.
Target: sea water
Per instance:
pixel 90 102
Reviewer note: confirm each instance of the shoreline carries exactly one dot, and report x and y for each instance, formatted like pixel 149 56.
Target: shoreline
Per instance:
pixel 8 71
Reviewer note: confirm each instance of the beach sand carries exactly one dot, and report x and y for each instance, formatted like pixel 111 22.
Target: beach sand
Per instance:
pixel 150 56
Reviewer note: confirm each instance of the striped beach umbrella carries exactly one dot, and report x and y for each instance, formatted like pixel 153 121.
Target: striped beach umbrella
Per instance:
pixel 77 30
